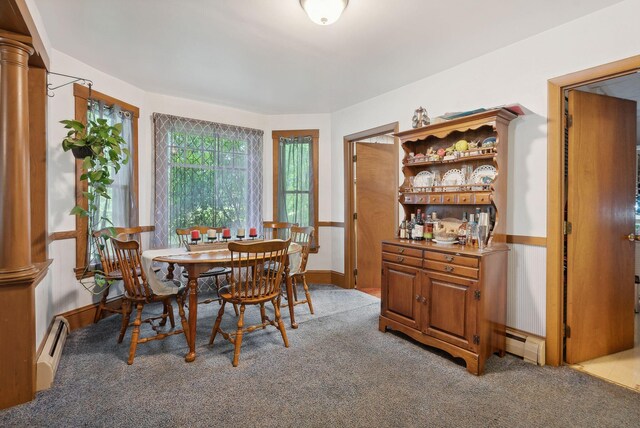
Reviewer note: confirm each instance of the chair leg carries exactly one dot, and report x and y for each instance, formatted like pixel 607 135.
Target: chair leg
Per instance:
pixel 295 288
pixel 263 315
pixel 101 305
pixel 165 313
pixel 136 333
pixel 235 308
pixel 183 318
pixel 126 314
pixel 307 294
pixel 172 321
pixel 238 341
pixel 216 326
pixel 276 307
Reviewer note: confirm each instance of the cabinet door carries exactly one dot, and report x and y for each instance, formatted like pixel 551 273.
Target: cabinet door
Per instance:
pixel 400 293
pixel 449 311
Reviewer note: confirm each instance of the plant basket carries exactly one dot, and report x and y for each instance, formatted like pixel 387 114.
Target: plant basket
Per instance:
pixel 81 152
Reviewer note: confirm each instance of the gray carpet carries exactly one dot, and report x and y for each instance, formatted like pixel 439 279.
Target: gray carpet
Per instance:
pixel 339 371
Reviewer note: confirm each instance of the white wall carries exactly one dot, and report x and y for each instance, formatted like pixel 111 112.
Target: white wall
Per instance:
pixel 60 292
pixel 515 74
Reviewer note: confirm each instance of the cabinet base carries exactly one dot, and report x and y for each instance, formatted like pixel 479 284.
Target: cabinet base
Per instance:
pixel 475 363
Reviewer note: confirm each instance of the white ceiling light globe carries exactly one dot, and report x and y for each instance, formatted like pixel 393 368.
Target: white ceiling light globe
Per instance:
pixel 324 12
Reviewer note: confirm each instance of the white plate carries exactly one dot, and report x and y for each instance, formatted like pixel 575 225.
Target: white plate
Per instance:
pixel 484 174
pixel 455 241
pixel 423 179
pixel 453 177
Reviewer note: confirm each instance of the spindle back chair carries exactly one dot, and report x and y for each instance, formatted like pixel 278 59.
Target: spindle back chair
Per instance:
pixel 252 284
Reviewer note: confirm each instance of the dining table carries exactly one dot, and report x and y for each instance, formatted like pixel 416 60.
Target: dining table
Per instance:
pixel 196 263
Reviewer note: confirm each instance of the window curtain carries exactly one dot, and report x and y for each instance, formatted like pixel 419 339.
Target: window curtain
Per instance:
pixel 295 180
pixel 207 174
pixel 121 209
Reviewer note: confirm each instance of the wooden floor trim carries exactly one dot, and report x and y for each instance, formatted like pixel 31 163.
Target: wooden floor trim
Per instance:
pixel 538 241
pixel 325 277
pixel 83 316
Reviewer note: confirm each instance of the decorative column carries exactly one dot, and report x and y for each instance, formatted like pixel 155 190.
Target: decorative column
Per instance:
pixel 17 272
pixel 15 215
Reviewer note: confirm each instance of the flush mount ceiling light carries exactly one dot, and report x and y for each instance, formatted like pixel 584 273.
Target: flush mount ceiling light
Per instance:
pixel 324 12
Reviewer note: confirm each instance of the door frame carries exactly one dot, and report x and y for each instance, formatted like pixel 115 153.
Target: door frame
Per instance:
pixel 349 203
pixel 556 194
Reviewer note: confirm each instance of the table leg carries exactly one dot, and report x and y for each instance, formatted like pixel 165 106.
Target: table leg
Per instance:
pixel 170 269
pixel 289 293
pixel 193 314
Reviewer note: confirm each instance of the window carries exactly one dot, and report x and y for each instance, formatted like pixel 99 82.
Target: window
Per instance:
pixel 122 209
pixel 207 174
pixel 295 178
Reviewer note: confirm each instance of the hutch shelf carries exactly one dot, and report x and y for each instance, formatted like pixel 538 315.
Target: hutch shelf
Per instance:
pixel 450 296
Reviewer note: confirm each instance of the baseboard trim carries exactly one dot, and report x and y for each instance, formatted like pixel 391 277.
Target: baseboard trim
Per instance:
pixel 83 316
pixel 325 277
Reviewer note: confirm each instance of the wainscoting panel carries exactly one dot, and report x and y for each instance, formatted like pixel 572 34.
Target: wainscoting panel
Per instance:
pixel 526 293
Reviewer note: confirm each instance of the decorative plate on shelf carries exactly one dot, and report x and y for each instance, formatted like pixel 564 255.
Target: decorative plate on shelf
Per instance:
pixel 489 142
pixel 438 241
pixel 453 177
pixel 423 179
pixel 484 174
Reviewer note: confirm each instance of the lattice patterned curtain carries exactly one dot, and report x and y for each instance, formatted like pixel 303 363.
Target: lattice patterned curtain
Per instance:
pixel 207 174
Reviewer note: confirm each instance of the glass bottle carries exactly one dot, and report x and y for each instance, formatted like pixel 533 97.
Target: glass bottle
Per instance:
pixel 472 231
pixel 418 228
pixel 410 226
pixel 462 230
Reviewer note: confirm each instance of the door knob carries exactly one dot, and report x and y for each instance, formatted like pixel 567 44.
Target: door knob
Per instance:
pixel 631 237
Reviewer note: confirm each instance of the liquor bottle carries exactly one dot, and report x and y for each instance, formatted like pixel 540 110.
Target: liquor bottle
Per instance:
pixel 472 231
pixel 418 228
pixel 403 230
pixel 410 226
pixel 425 234
pixel 462 230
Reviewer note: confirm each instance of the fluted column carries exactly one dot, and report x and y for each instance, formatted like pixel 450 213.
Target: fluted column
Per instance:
pixel 15 224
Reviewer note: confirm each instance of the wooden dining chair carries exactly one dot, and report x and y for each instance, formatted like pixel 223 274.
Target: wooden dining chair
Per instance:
pixel 304 237
pixel 138 293
pixel 277 230
pixel 103 242
pixel 251 284
pixel 184 236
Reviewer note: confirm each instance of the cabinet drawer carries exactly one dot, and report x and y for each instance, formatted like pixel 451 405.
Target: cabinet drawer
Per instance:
pixel 435 199
pixel 403 251
pixel 452 269
pixel 449 199
pixel 454 259
pixel 402 260
pixel 414 199
pixel 483 198
pixel 465 198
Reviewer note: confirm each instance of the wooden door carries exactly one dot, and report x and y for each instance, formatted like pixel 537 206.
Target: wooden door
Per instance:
pixel 376 191
pixel 601 214
pixel 400 290
pixel 450 309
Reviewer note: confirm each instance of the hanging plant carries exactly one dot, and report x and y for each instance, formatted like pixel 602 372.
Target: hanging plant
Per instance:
pixel 104 152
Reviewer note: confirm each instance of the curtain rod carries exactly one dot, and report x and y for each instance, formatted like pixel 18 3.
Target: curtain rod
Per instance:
pixel 83 81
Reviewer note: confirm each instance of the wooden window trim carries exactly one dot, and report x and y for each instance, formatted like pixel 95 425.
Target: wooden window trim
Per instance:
pixel 81 97
pixel 315 136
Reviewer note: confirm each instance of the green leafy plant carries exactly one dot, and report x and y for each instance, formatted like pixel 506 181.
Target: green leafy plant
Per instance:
pixel 104 152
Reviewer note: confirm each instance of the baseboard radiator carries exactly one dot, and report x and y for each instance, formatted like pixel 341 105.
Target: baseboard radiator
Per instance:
pixel 525 345
pixel 49 357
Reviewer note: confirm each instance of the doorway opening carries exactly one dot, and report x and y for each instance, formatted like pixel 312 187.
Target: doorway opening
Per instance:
pixel 610 83
pixel 371 165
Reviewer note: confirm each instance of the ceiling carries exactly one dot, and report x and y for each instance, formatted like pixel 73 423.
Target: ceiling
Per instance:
pixel 267 56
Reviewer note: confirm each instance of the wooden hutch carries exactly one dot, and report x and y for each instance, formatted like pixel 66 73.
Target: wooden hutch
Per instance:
pixel 451 297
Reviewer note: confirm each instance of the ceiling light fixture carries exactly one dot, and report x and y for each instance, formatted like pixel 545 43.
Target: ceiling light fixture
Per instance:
pixel 324 12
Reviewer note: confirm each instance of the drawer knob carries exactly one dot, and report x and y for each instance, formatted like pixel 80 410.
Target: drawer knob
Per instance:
pixel 401 250
pixel 417 298
pixel 448 258
pixel 400 259
pixel 448 268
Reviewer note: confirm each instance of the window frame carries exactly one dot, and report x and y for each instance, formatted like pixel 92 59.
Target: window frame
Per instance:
pixel 81 99
pixel 315 136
